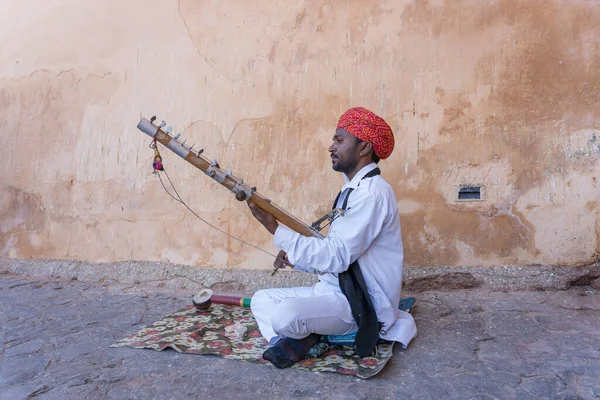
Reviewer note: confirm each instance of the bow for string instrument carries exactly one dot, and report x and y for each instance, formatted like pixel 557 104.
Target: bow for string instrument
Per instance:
pixel 241 190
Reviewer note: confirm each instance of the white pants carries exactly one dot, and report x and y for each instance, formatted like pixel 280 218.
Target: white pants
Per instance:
pixel 298 312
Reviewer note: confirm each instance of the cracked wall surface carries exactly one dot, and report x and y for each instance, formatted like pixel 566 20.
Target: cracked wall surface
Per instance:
pixel 502 94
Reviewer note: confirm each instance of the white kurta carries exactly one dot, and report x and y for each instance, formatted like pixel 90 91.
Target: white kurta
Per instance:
pixel 370 232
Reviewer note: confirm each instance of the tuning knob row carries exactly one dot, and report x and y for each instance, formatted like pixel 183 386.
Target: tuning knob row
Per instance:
pixel 175 136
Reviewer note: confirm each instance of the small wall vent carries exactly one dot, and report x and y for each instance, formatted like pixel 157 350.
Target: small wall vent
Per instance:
pixel 470 192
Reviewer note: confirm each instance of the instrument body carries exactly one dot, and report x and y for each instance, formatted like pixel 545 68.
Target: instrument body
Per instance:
pixel 241 190
pixel 204 298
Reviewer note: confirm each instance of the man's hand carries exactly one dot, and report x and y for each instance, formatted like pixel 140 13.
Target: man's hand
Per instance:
pixel 266 219
pixel 281 261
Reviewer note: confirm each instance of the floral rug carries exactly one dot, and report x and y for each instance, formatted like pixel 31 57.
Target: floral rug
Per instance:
pixel 231 332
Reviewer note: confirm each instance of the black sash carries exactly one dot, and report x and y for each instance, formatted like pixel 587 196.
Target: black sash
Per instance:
pixel 355 289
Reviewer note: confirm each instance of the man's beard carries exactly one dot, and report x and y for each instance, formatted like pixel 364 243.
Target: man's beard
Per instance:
pixel 344 166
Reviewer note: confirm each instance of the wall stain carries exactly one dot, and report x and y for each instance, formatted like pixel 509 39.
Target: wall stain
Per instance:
pixel 537 81
pixel 22 215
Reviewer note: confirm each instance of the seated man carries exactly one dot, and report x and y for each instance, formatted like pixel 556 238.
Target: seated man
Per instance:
pixel 359 262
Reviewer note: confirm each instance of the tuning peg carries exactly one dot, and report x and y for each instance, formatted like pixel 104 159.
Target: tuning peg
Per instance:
pixel 177 135
pixel 169 129
pixel 162 124
pixel 192 146
pixel 152 119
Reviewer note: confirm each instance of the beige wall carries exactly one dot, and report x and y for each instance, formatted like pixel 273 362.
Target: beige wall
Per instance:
pixel 501 93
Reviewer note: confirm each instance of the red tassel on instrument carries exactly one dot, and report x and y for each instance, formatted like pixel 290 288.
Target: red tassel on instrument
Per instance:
pixel 157 164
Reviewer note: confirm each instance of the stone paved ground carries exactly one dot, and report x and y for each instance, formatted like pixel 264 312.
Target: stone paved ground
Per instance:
pixel 472 344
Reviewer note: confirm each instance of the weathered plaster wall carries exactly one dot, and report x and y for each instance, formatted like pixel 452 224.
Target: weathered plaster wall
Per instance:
pixel 501 93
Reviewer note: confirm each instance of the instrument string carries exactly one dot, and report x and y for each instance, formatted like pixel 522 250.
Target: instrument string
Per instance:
pixel 180 200
pixel 167 190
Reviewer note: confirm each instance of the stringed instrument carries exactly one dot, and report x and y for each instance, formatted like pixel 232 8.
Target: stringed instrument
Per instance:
pixel 241 190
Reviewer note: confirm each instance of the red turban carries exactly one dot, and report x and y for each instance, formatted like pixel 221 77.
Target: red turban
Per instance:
pixel 369 127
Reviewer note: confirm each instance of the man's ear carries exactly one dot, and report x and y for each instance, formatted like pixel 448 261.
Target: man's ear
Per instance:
pixel 366 148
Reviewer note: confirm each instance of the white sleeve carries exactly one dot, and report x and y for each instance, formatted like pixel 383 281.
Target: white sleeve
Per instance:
pixel 348 237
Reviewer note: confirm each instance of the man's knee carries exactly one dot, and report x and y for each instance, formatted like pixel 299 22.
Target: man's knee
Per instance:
pixel 259 299
pixel 288 320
